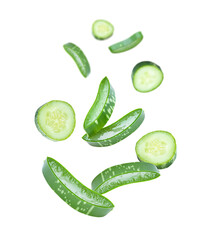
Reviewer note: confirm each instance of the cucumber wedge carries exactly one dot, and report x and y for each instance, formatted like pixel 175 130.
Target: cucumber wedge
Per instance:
pixel 117 131
pixel 101 109
pixel 55 120
pixel 102 29
pixel 127 44
pixel 158 148
pixel 79 57
pixel 123 174
pixel 74 193
pixel 147 76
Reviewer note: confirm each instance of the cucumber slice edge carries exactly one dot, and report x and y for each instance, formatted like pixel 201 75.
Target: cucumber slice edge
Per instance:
pixel 40 128
pixel 99 35
pixel 142 65
pixel 166 163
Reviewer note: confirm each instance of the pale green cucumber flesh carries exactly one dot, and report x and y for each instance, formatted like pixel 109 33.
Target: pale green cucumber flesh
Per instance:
pixel 127 44
pixel 79 57
pixel 116 131
pixel 55 120
pixel 101 109
pixel 74 193
pixel 158 148
pixel 102 29
pixel 123 174
pixel 146 76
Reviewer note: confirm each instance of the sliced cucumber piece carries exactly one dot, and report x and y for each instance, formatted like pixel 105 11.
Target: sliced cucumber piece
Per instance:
pixel 79 57
pixel 123 174
pixel 102 29
pixel 158 148
pixel 101 109
pixel 127 44
pixel 146 76
pixel 74 193
pixel 55 120
pixel 116 131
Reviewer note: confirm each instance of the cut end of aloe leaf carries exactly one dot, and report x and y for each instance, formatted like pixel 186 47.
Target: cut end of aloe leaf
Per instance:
pixel 102 29
pixel 101 109
pixel 79 58
pixel 117 131
pixel 73 192
pixel 158 148
pixel 147 76
pixel 123 174
pixel 127 44
pixel 55 120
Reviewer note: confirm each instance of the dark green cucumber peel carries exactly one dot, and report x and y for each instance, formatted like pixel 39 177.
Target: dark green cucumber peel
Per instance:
pixel 158 148
pixel 74 193
pixel 117 131
pixel 79 57
pixel 123 174
pixel 101 109
pixel 142 83
pixel 127 44
pixel 102 29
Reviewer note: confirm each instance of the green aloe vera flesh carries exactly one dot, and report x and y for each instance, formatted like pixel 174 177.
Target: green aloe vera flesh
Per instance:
pixel 74 193
pixel 116 131
pixel 127 44
pixel 123 174
pixel 101 109
pixel 158 148
pixel 79 57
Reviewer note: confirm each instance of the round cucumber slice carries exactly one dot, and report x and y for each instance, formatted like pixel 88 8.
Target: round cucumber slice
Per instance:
pixel 74 193
pixel 55 120
pixel 117 131
pixel 102 29
pixel 158 148
pixel 101 109
pixel 123 174
pixel 146 76
pixel 79 58
pixel 127 44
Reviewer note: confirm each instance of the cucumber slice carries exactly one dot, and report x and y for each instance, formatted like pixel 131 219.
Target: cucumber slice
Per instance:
pixel 127 44
pixel 146 76
pixel 102 29
pixel 123 174
pixel 101 109
pixel 55 120
pixel 74 193
pixel 117 131
pixel 158 148
pixel 79 57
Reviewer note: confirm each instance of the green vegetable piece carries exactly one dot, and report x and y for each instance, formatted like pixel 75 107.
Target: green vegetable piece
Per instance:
pixel 158 148
pixel 127 44
pixel 123 174
pixel 102 29
pixel 79 57
pixel 74 193
pixel 55 120
pixel 116 131
pixel 101 109
pixel 147 76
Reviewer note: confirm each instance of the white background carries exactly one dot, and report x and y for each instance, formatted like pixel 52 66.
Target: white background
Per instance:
pixel 34 69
